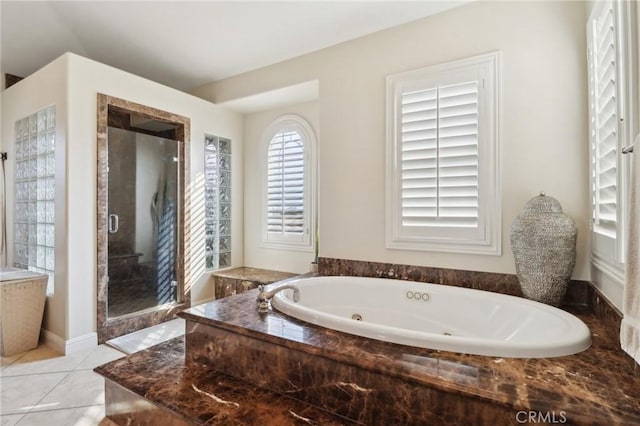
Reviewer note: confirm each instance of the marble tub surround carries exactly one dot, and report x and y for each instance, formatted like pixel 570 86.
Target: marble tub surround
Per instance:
pixel 232 281
pixel 578 292
pixel 611 318
pixel 368 380
pixel 157 387
pixel 365 397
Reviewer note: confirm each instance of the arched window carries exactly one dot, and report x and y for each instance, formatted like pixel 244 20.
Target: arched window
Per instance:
pixel 288 175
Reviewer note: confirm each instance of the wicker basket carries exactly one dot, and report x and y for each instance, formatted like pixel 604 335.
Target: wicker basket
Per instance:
pixel 21 310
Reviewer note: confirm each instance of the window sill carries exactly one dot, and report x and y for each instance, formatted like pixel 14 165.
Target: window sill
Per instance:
pixel 306 247
pixel 459 248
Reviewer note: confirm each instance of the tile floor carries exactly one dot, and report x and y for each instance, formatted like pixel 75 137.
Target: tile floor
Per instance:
pixel 42 387
pixel 142 339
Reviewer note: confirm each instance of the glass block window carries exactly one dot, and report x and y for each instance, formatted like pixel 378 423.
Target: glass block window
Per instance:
pixel 34 193
pixel 217 196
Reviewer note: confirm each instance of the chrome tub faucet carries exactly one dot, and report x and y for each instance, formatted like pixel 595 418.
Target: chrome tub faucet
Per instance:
pixel 265 296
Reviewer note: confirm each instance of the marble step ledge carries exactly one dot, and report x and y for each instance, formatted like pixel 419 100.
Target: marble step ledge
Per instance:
pixel 156 387
pixel 363 396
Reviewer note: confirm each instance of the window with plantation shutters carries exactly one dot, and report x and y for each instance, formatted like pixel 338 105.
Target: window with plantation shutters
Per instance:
pixel 604 119
pixel 288 199
pixel 612 66
pixel 442 146
pixel 285 187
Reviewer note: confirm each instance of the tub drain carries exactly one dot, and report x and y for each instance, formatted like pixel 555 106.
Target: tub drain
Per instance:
pixel 356 317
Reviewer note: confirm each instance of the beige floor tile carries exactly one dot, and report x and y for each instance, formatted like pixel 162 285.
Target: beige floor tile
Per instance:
pixel 84 416
pixel 20 393
pixel 6 361
pixel 43 360
pixel 98 356
pixel 10 420
pixel 79 388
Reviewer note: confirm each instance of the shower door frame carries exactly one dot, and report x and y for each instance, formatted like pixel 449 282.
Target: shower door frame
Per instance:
pixel 109 328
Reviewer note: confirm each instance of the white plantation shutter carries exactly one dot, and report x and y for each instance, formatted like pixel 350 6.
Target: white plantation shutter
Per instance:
pixel 604 116
pixel 285 187
pixel 612 49
pixel 439 148
pixel 288 170
pixel 443 191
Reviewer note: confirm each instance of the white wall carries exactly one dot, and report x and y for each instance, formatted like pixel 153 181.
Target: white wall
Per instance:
pixel 544 119
pixel 255 126
pixel 72 83
pixel 47 86
pixel 87 78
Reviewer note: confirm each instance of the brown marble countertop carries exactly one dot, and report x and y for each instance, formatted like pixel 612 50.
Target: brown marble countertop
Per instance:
pixel 598 386
pixel 253 274
pixel 206 397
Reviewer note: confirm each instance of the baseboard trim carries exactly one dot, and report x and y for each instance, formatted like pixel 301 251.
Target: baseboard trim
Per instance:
pixel 66 347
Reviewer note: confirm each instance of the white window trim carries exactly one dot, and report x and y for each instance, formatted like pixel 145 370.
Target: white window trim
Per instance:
pixel 291 242
pixel 489 240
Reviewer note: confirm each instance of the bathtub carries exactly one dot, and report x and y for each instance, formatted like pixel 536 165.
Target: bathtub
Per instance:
pixel 436 316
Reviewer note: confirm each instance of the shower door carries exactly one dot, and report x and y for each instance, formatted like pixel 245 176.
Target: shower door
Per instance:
pixel 142 221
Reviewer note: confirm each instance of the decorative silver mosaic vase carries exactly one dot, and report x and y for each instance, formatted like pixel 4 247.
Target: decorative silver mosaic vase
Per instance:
pixel 543 241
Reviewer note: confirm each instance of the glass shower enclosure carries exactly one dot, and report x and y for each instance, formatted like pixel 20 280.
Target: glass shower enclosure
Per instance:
pixel 142 221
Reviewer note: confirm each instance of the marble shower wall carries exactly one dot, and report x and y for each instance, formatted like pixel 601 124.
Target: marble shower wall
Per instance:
pixel 122 189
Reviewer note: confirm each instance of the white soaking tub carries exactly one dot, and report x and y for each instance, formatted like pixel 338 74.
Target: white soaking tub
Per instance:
pixel 436 316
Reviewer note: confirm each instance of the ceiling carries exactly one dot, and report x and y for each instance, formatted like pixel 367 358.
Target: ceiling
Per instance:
pixel 185 44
